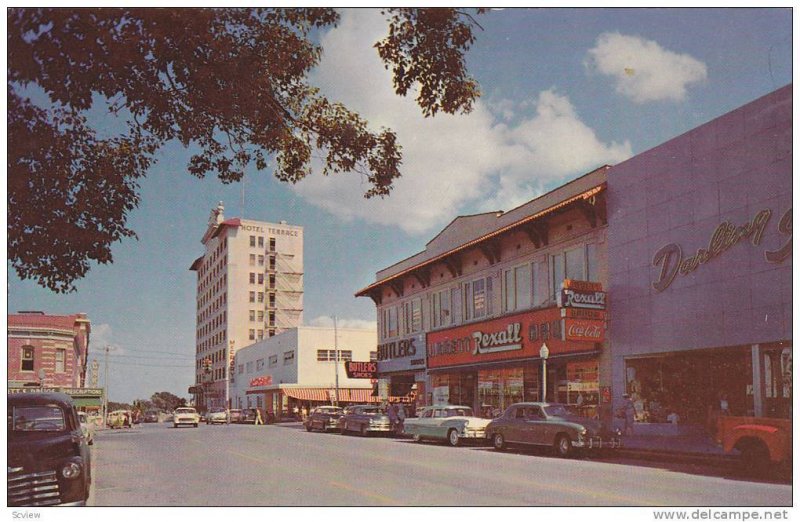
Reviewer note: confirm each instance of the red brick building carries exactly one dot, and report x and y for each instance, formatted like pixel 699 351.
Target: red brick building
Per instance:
pixel 59 344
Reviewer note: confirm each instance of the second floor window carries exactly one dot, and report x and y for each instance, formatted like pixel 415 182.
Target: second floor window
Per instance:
pixel 441 314
pixel 27 358
pixel 61 357
pixel 518 288
pixel 478 298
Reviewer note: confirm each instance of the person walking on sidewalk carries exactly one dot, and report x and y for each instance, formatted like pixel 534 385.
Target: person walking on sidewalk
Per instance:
pixel 629 414
pixel 401 417
pixel 259 420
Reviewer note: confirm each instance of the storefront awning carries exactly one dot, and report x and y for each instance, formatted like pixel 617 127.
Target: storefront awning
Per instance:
pixel 307 394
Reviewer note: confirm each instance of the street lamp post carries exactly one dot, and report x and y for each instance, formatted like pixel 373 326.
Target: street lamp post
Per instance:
pixel 336 364
pixel 544 353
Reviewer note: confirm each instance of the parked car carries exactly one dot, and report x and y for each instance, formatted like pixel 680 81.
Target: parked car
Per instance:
pixel 363 419
pixel 48 457
pixel 119 419
pixel 248 416
pixel 765 444
pixel 235 415
pixel 548 424
pixel 87 427
pixel 185 416
pixel 323 418
pixel 449 423
pixel 151 416
pixel 217 416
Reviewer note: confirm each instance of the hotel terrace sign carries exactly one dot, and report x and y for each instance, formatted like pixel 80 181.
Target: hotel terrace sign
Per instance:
pixel 672 263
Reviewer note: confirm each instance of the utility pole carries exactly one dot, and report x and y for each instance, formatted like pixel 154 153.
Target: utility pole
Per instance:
pixel 336 352
pixel 105 392
pixel 228 362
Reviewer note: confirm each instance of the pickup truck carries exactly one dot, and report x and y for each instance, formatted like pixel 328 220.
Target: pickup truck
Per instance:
pixel 763 442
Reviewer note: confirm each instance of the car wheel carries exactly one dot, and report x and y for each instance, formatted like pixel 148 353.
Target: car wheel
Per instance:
pixel 195 424
pixel 452 437
pixel 498 441
pixel 174 425
pixel 308 427
pixel 754 459
pixel 563 446
pixel 363 430
pixel 343 429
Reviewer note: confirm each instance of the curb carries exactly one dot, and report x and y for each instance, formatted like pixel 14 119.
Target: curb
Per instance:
pixel 677 456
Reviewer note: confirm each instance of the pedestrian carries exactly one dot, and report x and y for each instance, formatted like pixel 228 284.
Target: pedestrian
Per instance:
pixel 391 412
pixel 304 412
pixel 296 412
pixel 259 420
pixel 401 417
pixel 628 414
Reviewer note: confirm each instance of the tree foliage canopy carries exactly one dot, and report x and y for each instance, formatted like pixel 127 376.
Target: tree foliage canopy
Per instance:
pixel 232 82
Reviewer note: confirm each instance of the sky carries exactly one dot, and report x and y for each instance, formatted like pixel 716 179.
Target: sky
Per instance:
pixel 564 91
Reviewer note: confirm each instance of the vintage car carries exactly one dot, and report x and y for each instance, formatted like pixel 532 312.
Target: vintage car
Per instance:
pixel 449 423
pixel 151 416
pixel 119 419
pixel 548 424
pixel 48 458
pixel 235 415
pixel 248 416
pixel 764 444
pixel 185 416
pixel 364 419
pixel 323 418
pixel 217 416
pixel 87 427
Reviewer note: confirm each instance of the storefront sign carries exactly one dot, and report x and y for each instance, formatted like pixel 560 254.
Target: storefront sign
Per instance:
pixel 571 298
pixel 72 392
pixel 503 341
pixel 584 330
pixel 583 313
pixel 516 336
pixel 584 286
pixel 406 354
pixel 361 370
pixel 264 380
pixel 670 260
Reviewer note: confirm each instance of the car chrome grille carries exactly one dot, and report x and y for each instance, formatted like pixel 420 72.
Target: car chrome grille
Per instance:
pixel 33 489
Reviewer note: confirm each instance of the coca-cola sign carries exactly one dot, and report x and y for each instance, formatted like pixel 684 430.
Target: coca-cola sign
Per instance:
pixel 584 330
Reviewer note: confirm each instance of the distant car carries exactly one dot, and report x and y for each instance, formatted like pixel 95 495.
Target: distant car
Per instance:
pixel 248 416
pixel 185 416
pixel 87 427
pixel 216 416
pixel 151 416
pixel 48 458
pixel 119 419
pixel 364 419
pixel 323 418
pixel 548 424
pixel 235 415
pixel 448 423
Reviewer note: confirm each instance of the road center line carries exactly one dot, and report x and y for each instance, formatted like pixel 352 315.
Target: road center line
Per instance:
pixel 376 496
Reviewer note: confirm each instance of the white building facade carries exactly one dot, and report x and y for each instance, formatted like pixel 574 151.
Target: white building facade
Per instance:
pixel 298 368
pixel 249 287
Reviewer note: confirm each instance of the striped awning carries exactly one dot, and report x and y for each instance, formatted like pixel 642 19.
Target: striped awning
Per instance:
pixel 307 394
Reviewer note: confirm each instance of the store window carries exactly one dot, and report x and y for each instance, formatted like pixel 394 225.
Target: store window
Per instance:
pixel 27 358
pixel 478 298
pixel 412 316
pixel 518 288
pixel 249 367
pixel 777 363
pixel 499 388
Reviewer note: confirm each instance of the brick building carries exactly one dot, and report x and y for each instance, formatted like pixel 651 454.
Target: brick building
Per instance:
pixel 58 344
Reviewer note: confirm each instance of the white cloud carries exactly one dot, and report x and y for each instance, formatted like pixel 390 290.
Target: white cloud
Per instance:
pixel 327 322
pixel 644 71
pixel 451 164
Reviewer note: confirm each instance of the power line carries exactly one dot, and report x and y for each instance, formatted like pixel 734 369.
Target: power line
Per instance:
pixel 129 363
pixel 151 357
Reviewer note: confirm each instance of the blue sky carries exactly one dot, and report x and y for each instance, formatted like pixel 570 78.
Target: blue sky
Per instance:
pixel 564 91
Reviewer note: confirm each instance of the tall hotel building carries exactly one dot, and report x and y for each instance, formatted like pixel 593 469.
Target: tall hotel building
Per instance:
pixel 249 287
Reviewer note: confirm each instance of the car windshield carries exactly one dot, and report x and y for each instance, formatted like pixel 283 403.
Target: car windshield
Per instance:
pixel 37 418
pixel 458 412
pixel 557 410
pixel 329 410
pixel 185 410
pixel 370 411
pixel 216 410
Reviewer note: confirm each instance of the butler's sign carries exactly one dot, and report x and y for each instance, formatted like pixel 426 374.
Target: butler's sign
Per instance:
pixel 361 370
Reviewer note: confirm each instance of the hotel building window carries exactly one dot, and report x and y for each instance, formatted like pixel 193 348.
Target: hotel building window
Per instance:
pixel 261 316
pixel 27 358
pixel 272 280
pixel 252 259
pixel 261 241
pixel 272 244
pixel 261 279
pixel 260 334
pixel 252 315
pixel 518 288
pixel 252 297
pixel 272 318
pixel 249 368
pixel 261 297
pixel 272 262
pixel 271 332
pixel 252 241
pixel 273 361
pixel 61 356
pixel 252 335
pixel 260 260
pixel 252 278
pixel 241 369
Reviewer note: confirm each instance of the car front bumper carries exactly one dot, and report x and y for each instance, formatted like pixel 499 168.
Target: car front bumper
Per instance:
pixel 186 421
pixel 472 434
pixel 597 443
pixel 383 427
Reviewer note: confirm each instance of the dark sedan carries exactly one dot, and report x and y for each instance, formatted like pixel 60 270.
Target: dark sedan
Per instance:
pixel 364 419
pixel 548 424
pixel 323 418
pixel 248 416
pixel 151 416
pixel 48 457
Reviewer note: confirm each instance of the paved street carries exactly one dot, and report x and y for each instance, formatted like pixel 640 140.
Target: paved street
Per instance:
pixel 283 465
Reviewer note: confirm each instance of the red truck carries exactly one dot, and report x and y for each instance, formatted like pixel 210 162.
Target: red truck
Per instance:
pixel 764 443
